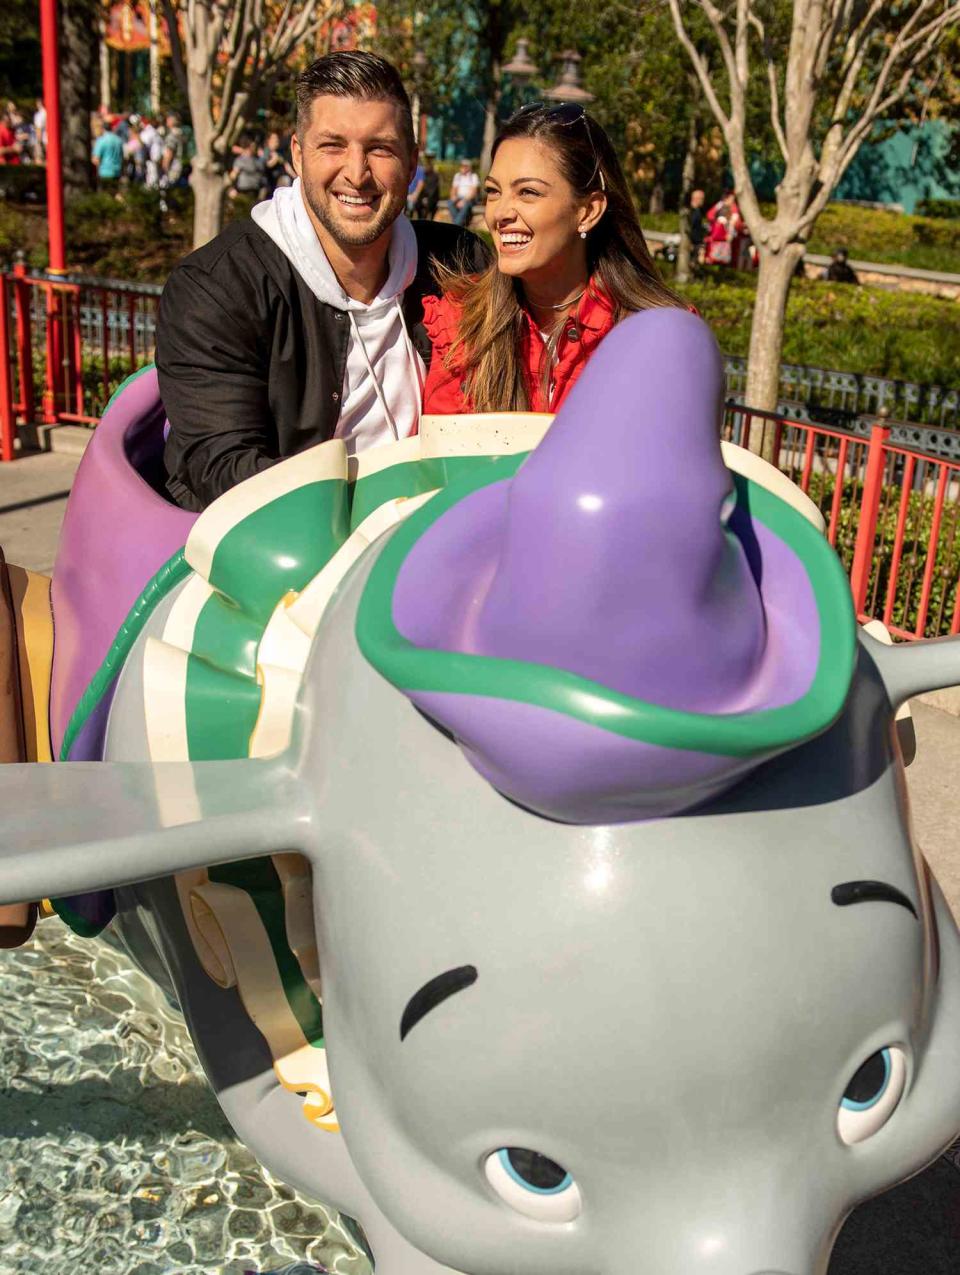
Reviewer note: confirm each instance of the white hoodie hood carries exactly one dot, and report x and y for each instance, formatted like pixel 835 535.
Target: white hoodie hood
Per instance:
pixel 383 382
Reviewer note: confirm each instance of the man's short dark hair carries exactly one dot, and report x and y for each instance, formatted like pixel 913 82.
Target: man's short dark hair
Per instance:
pixel 353 73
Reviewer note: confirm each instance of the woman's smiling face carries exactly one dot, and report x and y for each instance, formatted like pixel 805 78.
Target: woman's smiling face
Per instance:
pixel 532 210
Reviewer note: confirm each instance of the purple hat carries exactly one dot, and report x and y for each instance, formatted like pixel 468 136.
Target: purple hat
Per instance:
pixel 621 627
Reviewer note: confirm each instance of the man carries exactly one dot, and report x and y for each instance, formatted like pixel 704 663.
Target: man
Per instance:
pixel 840 270
pixel 107 155
pixel 249 173
pixel 698 224
pixel 40 132
pixel 304 322
pixel 174 147
pixel 429 197
pixel 463 194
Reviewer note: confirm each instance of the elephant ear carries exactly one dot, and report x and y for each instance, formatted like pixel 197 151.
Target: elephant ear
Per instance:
pixel 622 628
pixel 80 826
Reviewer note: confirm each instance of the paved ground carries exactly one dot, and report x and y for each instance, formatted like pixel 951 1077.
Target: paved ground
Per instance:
pixel 934 784
pixel 913 1230
pixel 33 495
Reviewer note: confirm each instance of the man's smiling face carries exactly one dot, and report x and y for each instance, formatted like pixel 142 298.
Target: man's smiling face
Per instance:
pixel 355 162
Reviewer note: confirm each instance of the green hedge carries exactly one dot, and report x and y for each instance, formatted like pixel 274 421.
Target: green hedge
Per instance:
pixel 926 243
pixel 920 506
pixel 902 335
pixel 939 208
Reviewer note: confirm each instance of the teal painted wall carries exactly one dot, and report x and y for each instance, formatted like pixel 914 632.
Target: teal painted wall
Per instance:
pixel 911 165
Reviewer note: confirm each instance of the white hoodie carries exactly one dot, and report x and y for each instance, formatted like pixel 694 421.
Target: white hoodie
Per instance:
pixel 383 382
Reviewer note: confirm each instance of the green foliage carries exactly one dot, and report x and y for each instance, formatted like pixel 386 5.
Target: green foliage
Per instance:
pixel 23 183
pixel 632 64
pixel 939 208
pixel 905 336
pixel 20 51
pixel 913 560
pixel 926 243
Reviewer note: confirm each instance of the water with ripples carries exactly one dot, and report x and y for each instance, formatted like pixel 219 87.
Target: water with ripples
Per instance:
pixel 115 1158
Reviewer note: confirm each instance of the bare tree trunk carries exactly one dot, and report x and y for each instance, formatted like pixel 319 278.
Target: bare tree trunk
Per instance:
pixel 209 190
pixel 684 250
pixel 766 337
pixel 490 116
pixel 78 75
pixel 655 205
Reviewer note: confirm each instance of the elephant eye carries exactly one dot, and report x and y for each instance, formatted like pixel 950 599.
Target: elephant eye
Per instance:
pixel 872 1095
pixel 533 1184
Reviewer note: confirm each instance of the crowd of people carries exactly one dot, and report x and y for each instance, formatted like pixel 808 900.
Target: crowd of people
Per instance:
pixel 139 149
pixel 718 234
pixel 23 138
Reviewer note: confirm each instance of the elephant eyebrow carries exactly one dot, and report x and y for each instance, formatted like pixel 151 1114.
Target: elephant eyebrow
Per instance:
pixel 433 993
pixel 849 892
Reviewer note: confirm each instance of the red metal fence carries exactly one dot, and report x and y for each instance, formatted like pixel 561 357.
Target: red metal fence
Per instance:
pixel 892 512
pixel 65 346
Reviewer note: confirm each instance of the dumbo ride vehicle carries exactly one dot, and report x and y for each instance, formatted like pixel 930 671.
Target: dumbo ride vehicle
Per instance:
pixel 538 803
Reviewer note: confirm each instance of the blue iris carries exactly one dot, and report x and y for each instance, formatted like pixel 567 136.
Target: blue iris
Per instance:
pixel 534 1172
pixel 869 1084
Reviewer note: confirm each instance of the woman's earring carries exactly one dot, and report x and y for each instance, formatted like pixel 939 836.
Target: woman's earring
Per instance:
pixel 583 234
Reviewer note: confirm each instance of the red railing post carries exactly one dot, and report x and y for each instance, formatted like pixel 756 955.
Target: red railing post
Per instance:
pixel 21 308
pixel 54 350
pixel 6 381
pixel 869 511
pixel 76 353
pixel 923 610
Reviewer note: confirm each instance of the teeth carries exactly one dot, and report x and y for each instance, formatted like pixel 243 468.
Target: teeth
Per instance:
pixel 515 238
pixel 353 199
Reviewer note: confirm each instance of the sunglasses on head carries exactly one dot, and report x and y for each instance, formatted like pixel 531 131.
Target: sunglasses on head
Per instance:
pixel 565 114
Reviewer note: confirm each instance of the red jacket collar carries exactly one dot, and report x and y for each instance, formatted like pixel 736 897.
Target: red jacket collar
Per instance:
pixel 595 312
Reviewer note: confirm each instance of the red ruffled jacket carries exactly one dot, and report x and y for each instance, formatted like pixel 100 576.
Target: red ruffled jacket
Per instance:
pixel 443 392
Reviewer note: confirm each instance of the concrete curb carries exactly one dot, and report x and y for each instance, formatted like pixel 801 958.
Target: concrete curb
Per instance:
pixel 68 440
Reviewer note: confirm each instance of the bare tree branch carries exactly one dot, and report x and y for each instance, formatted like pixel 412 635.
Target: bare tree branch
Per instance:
pixel 848 62
pixel 772 86
pixel 700 66
pixel 715 18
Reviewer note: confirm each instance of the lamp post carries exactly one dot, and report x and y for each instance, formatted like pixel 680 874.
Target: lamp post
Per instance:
pixel 568 87
pixel 54 393
pixel 51 101
pixel 521 68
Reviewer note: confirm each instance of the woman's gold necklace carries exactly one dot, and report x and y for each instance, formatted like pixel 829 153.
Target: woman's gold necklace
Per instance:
pixel 564 305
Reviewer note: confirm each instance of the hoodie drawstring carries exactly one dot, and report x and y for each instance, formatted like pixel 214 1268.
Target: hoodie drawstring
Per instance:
pixel 415 360
pixel 412 357
pixel 373 376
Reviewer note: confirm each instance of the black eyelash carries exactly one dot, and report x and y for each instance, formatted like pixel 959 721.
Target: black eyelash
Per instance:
pixel 435 992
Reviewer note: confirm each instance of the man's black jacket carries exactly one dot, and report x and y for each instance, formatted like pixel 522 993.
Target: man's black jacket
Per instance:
pixel 251 363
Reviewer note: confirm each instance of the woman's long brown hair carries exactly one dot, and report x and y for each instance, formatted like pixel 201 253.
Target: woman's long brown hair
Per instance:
pixel 492 320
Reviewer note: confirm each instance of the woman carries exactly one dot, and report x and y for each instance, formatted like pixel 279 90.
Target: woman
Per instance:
pixel 571 262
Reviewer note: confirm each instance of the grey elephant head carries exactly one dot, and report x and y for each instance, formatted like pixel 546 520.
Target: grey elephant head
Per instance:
pixel 638 972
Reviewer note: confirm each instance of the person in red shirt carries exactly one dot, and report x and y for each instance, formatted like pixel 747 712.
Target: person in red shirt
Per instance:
pixel 9 146
pixel 571 261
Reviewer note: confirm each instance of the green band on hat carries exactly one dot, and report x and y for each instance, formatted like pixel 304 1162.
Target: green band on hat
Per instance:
pixel 411 668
